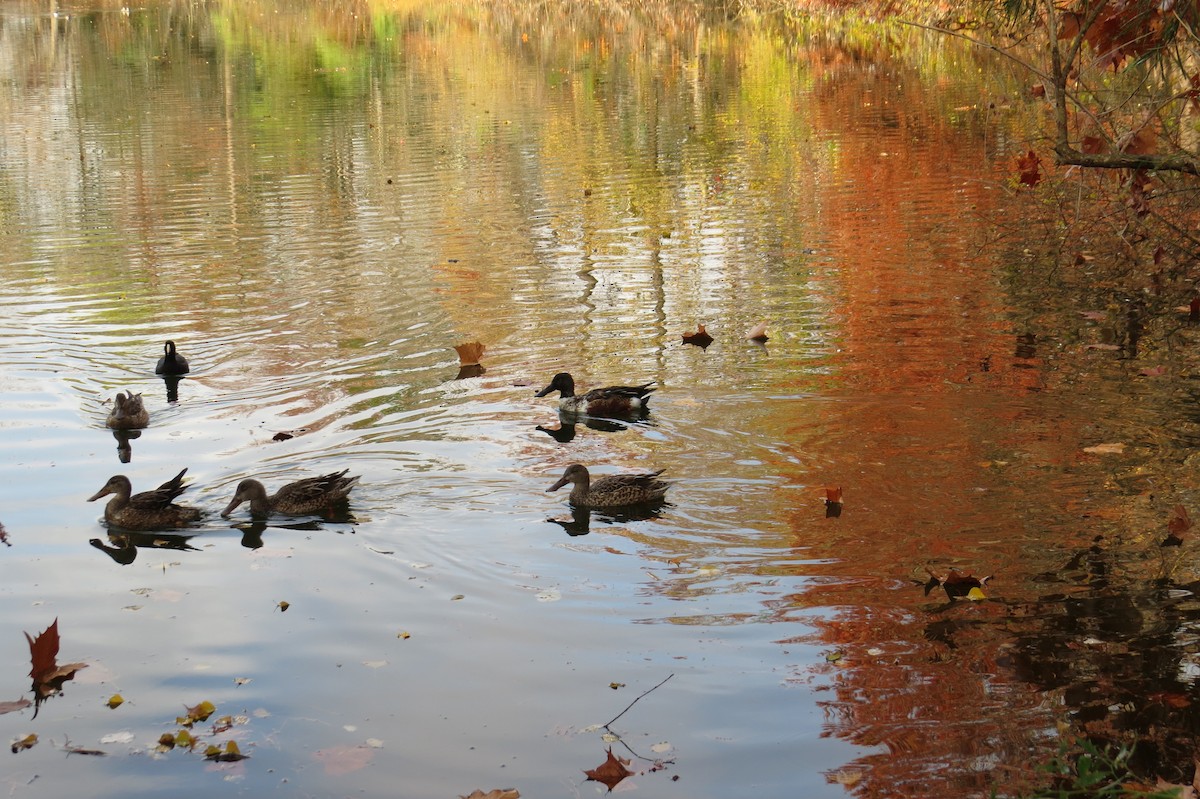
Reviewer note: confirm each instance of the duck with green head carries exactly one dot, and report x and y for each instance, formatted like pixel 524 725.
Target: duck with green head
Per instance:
pixel 607 401
pixel 612 491
pixel 147 510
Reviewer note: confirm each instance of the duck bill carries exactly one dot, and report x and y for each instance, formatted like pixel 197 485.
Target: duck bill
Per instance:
pixel 545 391
pixel 230 507
pixel 558 485
pixel 101 493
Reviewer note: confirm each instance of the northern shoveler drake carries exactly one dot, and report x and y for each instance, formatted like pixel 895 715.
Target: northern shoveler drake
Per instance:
pixel 128 412
pixel 613 490
pixel 310 495
pixel 608 401
pixel 149 510
pixel 171 363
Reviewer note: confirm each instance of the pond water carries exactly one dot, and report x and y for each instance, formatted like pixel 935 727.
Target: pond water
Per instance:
pixel 317 202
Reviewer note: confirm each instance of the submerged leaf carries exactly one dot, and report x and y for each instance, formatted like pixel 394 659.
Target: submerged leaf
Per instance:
pixel 344 759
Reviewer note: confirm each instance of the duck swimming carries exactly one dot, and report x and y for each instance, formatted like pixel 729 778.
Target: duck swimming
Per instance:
pixel 310 495
pixel 611 490
pixel 608 401
pixel 148 510
pixel 171 363
pixel 128 413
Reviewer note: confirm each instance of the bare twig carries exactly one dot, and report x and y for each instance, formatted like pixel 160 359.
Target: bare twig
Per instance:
pixel 634 702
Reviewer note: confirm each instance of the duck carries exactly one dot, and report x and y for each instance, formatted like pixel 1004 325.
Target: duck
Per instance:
pixel 310 495
pixel 128 413
pixel 608 401
pixel 148 510
pixel 612 491
pixel 171 363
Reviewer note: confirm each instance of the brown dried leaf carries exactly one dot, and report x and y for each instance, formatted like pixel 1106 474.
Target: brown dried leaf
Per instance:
pixel 700 338
pixel 12 707
pixel 1105 449
pixel 610 772
pixel 495 793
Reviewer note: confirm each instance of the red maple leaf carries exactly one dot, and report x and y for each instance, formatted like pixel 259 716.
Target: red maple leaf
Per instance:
pixel 1029 166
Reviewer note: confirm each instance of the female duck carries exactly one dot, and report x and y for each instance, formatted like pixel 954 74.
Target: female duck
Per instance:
pixel 148 510
pixel 612 490
pixel 171 363
pixel 128 413
pixel 310 495
pixel 608 401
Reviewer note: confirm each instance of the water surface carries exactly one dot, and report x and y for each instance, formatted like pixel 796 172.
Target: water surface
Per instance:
pixel 317 206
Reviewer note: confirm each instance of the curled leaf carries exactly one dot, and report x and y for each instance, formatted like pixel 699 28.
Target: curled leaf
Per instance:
pixel 21 744
pixel 470 353
pixel 610 772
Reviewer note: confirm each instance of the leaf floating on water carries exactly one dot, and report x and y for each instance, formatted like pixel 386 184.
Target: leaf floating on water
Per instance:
pixel 403 634
pixel 833 502
pixel 956 584
pixel 283 606
pixel 1105 449
pixel 115 701
pixel 457 597
pixel 1177 525
pixel 757 333
pixel 241 680
pixel 495 793
pixel 610 772
pixel 616 685
pixel 21 744
pixel 230 754
pixel 200 712
pixel 469 353
pixel 11 707
pixel 700 338
pixel 47 675
pixel 4 537
pixel 281 436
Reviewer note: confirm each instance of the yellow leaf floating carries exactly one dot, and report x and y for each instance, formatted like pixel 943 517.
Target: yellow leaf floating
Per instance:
pixel 283 606
pixel 166 742
pixel 976 595
pixel 27 742
pixel 115 701
pixel 200 712
pixel 184 739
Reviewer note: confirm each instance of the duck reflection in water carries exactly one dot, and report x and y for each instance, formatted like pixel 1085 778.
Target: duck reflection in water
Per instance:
pixel 123 437
pixel 252 531
pixel 581 518
pixel 124 546
pixel 567 423
pixel 172 384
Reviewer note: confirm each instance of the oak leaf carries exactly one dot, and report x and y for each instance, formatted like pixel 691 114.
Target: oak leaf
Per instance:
pixel 610 772
pixel 1029 167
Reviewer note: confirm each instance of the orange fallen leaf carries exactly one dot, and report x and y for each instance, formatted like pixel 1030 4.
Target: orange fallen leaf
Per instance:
pixel 470 353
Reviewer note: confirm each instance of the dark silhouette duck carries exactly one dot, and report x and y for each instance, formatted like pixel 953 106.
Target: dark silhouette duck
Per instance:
pixel 128 412
pixel 310 495
pixel 148 510
pixel 613 490
pixel 171 363
pixel 608 401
